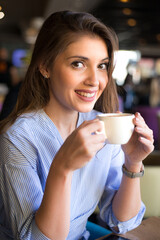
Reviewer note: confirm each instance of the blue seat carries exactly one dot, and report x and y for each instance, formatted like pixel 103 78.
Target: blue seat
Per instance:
pixel 96 231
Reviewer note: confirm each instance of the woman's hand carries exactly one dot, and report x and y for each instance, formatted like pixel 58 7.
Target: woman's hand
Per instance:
pixel 141 143
pixel 80 147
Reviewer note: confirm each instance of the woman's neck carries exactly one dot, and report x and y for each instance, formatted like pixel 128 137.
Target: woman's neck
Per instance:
pixel 65 121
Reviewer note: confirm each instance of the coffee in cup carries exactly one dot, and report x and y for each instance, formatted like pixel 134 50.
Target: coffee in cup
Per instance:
pixel 118 127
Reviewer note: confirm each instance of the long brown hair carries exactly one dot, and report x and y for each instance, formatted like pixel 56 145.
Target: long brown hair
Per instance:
pixel 57 32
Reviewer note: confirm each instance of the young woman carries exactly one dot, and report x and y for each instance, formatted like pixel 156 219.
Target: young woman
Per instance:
pixel 53 169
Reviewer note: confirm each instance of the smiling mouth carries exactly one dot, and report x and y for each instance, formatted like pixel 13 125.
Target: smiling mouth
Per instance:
pixel 85 94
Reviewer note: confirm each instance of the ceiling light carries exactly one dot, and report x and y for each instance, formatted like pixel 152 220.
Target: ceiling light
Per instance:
pixel 131 22
pixel 124 1
pixel 2 15
pixel 127 11
pixel 0 8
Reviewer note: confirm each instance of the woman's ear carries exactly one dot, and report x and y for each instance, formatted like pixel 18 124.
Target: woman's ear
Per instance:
pixel 43 71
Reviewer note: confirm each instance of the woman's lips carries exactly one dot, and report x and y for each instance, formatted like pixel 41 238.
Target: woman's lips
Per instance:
pixel 86 95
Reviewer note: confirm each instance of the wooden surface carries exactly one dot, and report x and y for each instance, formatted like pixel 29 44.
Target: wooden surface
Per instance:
pixel 148 230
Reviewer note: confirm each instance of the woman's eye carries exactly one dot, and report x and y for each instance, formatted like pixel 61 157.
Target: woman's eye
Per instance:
pixel 103 66
pixel 77 64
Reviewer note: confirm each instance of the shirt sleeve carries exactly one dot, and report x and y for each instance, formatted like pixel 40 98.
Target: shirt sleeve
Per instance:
pixel 21 190
pixel 112 185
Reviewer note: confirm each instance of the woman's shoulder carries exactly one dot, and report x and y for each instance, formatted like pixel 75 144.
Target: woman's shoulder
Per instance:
pixel 24 123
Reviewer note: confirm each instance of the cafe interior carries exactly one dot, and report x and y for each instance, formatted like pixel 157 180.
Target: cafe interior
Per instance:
pixel 137 64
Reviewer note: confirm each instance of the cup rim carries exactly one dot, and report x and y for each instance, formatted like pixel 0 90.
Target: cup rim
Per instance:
pixel 115 114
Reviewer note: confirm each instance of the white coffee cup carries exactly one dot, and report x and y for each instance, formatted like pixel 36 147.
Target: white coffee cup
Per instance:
pixel 118 127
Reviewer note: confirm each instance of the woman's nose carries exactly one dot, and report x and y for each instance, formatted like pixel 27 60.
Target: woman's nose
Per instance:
pixel 92 78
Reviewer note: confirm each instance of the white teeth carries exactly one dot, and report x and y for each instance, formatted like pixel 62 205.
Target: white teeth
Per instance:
pixel 89 95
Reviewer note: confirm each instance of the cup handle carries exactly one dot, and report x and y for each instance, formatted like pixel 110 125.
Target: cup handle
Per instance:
pixel 103 130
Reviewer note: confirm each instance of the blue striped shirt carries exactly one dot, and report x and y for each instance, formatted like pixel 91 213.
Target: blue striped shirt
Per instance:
pixel 27 150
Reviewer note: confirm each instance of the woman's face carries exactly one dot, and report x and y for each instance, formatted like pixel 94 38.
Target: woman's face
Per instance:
pixel 79 75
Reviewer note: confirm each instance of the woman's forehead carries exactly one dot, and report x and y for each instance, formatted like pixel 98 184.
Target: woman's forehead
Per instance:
pixel 82 41
pixel 86 47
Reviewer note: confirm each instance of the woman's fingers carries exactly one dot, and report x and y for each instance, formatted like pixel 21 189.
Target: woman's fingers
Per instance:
pixel 142 128
pixel 145 132
pixel 92 126
pixel 141 143
pixel 139 120
pixel 148 145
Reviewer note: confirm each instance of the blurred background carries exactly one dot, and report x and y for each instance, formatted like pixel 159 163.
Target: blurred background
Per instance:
pixel 137 71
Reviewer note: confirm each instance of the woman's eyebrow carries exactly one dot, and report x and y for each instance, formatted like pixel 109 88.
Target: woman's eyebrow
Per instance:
pixel 85 58
pixel 107 58
pixel 82 57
